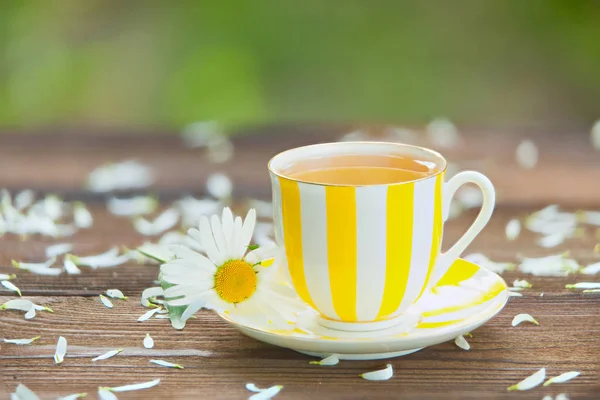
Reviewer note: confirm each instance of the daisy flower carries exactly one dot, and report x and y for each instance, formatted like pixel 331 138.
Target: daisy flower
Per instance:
pixel 233 278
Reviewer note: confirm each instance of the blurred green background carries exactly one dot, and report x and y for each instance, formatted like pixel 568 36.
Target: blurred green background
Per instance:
pixel 165 64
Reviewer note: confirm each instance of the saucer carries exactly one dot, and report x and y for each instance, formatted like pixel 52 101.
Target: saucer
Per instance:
pixel 465 298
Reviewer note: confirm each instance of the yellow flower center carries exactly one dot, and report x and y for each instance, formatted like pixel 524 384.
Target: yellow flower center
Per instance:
pixel 235 281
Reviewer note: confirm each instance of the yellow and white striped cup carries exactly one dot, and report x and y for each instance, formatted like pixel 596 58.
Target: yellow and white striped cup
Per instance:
pixel 361 255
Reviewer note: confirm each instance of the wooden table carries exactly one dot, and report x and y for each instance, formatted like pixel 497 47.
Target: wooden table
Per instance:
pixel 218 360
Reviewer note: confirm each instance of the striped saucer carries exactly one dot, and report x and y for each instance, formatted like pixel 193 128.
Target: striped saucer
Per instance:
pixel 464 299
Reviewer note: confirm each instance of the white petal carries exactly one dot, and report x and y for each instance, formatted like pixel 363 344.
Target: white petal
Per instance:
pixel 120 176
pixel 61 350
pixel 109 258
pixel 139 205
pixel 591 269
pixel 220 149
pixel 163 363
pixel 561 396
pixel 461 342
pixel 196 258
pixel 30 314
pixel 253 388
pixel 24 393
pixel 266 394
pixel 82 217
pixel 227 223
pixel 523 318
pixel 518 283
pixel 115 294
pixel 70 267
pixel 595 135
pixel 176 237
pixel 155 251
pixel 38 268
pixel 162 223
pixel 20 304
pixel 199 134
pixel 148 314
pixel 11 286
pixel 380 375
pixel 24 199
pixel 217 231
pixel 6 277
pixel 106 301
pixel 151 292
pixel 58 249
pixel 247 230
pixel 136 386
pixel 208 242
pixel 567 376
pixel 591 291
pixel 219 185
pixel 106 394
pixel 331 360
pixel 470 197
pixel 584 285
pixel 531 381
pixel 73 396
pixel 527 154
pixel 193 209
pixel 514 294
pixel 483 261
pixel 442 133
pixel 148 341
pixel 21 341
pixel 553 240
pixel 106 355
pixel 513 229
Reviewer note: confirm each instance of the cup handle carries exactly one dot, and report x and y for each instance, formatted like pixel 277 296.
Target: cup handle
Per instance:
pixel 446 259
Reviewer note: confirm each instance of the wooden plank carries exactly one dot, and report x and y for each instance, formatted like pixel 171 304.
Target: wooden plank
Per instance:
pixel 61 163
pixel 109 231
pixel 219 361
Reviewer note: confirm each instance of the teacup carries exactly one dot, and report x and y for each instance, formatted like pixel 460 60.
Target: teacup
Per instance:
pixel 362 254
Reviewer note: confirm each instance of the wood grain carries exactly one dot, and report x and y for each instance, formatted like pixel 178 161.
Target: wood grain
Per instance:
pixel 218 360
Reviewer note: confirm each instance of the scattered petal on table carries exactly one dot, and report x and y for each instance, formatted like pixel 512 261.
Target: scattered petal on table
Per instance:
pixel 380 375
pixel 462 343
pixel 61 350
pixel 567 376
pixel 24 199
pixel 149 293
pixel 483 261
pixel 11 286
pixel 584 285
pixel 530 382
pixel 521 283
pixel 163 222
pixel 120 176
pixel 523 318
pixel 82 216
pixel 527 154
pixel 513 229
pixel 135 386
pixel 107 355
pixel 514 294
pixel 148 314
pixel 106 301
pixel 24 393
pixel 73 396
pixel 110 258
pixel 561 396
pixel 21 341
pixel 591 269
pixel 219 185
pixel 148 341
pixel 253 388
pixel 106 394
pixel 38 268
pixel 443 133
pixel 133 206
pixel 266 394
pixel 115 294
pixel 58 249
pixel 70 266
pixel 6 277
pixel 331 360
pixel 163 363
